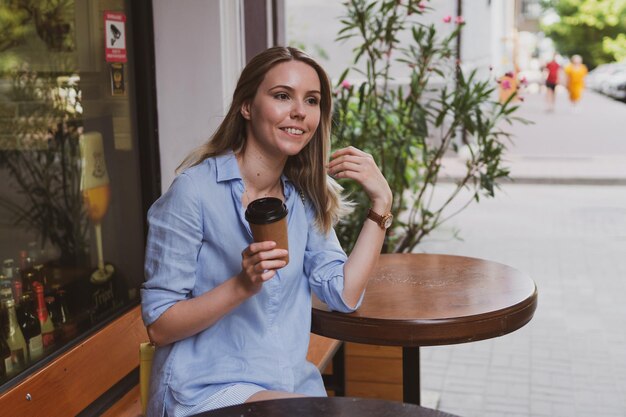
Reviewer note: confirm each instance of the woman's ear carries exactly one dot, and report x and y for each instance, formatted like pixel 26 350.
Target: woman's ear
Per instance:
pixel 245 110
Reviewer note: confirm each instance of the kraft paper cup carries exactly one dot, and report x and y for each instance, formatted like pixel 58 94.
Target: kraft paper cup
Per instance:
pixel 268 221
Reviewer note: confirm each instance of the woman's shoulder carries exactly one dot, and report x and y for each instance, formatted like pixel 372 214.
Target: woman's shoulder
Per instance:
pixel 201 169
pixel 193 179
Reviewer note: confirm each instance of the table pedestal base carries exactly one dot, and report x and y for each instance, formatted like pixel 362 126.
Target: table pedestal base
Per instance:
pixel 411 375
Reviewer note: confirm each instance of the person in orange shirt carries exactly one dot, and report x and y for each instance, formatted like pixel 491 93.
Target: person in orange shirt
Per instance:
pixel 576 72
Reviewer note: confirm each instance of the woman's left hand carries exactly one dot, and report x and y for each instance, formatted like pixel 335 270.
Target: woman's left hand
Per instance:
pixel 360 166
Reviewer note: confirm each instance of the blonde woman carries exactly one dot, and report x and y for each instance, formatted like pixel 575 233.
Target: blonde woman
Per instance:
pixel 576 72
pixel 230 319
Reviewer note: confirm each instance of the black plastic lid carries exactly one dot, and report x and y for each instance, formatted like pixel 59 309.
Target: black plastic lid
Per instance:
pixel 266 210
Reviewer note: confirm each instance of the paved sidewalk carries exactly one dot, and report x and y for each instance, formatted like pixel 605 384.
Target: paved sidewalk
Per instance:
pixel 587 146
pixel 570 360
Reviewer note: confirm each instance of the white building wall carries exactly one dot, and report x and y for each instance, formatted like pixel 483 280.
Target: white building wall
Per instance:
pixel 476 35
pixel 484 21
pixel 197 42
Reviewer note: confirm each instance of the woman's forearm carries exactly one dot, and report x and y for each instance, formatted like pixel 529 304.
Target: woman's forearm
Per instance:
pixel 364 255
pixel 189 317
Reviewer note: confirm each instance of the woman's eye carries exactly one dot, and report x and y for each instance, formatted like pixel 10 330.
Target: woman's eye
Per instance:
pixel 281 96
pixel 312 100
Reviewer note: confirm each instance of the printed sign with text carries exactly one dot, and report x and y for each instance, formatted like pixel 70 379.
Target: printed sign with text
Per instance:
pixel 115 37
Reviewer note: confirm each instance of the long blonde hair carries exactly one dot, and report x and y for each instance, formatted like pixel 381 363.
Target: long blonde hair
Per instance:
pixel 306 169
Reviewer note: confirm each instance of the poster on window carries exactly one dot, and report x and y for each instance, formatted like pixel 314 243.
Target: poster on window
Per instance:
pixel 115 37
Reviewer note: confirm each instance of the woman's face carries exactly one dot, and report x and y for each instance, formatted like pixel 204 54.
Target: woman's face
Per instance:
pixel 285 112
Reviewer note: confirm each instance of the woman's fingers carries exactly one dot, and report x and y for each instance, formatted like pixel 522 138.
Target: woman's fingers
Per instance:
pixel 353 166
pixel 350 150
pixel 360 166
pixel 260 260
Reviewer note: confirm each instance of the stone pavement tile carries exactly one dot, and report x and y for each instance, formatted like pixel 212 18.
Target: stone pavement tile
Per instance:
pixel 437 354
pixel 541 408
pixel 433 382
pixel 570 355
pixel 464 386
pixel 499 413
pixel 506 407
pixel 563 410
pixel 463 404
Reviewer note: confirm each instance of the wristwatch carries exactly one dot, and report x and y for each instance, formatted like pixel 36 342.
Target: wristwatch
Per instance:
pixel 383 221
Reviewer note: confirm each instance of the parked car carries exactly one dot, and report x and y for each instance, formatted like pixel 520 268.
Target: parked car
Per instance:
pixel 609 79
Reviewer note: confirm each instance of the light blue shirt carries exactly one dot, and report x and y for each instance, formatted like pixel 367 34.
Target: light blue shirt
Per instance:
pixel 197 231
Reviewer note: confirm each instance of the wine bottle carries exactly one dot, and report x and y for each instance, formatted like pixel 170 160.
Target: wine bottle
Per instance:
pixel 7 268
pixel 15 337
pixel 47 328
pixel 31 328
pixel 67 322
pixel 6 291
pixel 6 365
pixel 26 267
pixel 17 291
pixel 27 280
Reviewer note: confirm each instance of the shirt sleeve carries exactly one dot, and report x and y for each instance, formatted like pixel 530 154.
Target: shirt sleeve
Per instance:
pixel 174 240
pixel 324 260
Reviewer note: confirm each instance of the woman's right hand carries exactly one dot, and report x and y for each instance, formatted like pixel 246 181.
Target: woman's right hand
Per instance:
pixel 259 263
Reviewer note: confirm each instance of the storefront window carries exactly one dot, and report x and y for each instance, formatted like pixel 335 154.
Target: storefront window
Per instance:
pixel 71 215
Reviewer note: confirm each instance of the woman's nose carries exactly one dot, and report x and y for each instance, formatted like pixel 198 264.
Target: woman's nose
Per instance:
pixel 297 111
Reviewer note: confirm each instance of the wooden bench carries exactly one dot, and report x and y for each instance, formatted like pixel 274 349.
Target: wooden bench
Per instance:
pixel 81 375
pixel 80 381
pixel 321 352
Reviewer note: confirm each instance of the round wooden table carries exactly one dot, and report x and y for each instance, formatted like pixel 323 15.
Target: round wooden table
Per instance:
pixel 325 406
pixel 415 300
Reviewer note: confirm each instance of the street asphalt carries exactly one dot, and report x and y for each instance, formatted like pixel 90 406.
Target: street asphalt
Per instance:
pixel 563 221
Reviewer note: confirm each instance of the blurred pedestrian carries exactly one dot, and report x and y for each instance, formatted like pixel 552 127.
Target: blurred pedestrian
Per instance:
pixel 552 79
pixel 576 72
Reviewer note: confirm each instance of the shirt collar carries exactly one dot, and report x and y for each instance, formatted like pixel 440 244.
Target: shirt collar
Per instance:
pixel 228 169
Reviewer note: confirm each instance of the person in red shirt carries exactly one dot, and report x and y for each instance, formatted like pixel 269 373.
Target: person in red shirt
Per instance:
pixel 552 80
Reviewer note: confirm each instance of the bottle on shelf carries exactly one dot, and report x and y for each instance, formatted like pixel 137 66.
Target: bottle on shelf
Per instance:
pixel 14 336
pixel 31 328
pixel 22 259
pixel 47 328
pixel 6 291
pixel 7 268
pixel 51 305
pixel 25 265
pixel 38 273
pixel 6 365
pixel 67 323
pixel 27 280
pixel 17 291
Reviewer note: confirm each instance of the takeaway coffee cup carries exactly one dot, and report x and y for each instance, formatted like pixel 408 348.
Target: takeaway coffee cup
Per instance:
pixel 268 221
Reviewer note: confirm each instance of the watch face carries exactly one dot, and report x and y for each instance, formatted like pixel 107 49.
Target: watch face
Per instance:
pixel 388 221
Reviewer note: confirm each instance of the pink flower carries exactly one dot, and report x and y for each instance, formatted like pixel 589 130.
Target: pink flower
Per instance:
pixel 447 19
pixel 459 20
pixel 346 84
pixel 506 84
pixel 523 81
pixel 421 5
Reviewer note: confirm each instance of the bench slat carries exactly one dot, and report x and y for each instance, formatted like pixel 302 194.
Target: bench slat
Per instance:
pixel 321 351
